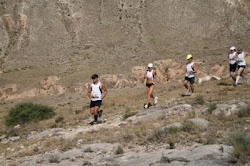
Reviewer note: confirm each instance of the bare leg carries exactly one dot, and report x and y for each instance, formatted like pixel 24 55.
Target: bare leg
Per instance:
pixel 185 83
pixel 192 87
pixel 150 93
pixel 239 73
pixel 233 75
pixel 92 110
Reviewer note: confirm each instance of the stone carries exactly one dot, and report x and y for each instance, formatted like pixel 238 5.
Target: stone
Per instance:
pixel 215 78
pixel 152 113
pixel 226 110
pixel 200 122
pixel 70 154
pixel 13 139
pixel 173 125
pixel 99 147
pixel 45 133
pixel 204 79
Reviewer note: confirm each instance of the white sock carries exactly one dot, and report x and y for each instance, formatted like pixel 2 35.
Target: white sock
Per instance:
pixel 237 80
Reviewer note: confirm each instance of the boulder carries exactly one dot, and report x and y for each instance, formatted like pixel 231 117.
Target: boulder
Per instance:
pixel 226 110
pixel 200 122
pixel 49 132
pixel 203 79
pixel 48 82
pixel 99 147
pixel 173 125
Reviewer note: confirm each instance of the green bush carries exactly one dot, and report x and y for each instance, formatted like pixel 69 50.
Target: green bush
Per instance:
pixel 244 112
pixel 188 127
pixel 28 112
pixel 212 107
pixel 59 119
pixel 199 100
pixel 119 150
pixel 241 143
pixel 173 130
pixel 128 113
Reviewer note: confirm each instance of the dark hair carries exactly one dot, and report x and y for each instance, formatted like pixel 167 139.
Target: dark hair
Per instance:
pixel 94 76
pixel 240 49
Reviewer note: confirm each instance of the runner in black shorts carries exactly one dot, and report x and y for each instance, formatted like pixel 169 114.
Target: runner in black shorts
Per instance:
pixel 150 76
pixel 232 55
pixel 191 69
pixel 95 94
pixel 241 61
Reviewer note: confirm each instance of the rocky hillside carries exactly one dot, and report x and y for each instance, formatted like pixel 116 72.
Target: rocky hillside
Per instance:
pixel 50 48
pixel 74 38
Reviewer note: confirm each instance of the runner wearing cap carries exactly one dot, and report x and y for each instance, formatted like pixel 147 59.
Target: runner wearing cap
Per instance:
pixel 96 97
pixel 150 77
pixel 232 55
pixel 241 55
pixel 191 69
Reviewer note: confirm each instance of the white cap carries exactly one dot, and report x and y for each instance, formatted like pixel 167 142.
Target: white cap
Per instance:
pixel 232 48
pixel 150 65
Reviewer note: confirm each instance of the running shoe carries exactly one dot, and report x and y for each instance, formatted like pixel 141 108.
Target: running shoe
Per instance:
pixel 146 106
pixel 155 100
pixel 92 123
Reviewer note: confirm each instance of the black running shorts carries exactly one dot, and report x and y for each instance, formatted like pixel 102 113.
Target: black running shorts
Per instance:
pixel 191 80
pixel 243 66
pixel 233 67
pixel 97 103
pixel 149 84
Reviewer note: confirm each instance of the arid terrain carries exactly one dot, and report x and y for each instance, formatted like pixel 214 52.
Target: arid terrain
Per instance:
pixel 49 49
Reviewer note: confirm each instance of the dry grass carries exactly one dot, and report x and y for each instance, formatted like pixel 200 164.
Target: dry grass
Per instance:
pixel 77 111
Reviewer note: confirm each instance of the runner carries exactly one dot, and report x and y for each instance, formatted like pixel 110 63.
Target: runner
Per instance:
pixel 232 55
pixel 191 69
pixel 241 55
pixel 95 94
pixel 150 76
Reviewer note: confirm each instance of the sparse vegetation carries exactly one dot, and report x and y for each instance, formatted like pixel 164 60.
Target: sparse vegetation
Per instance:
pixel 211 107
pixel 172 137
pixel 188 126
pixel 241 143
pixel 199 100
pixel 172 140
pixel 128 113
pixel 28 112
pixel 244 112
pixel 54 159
pixel 119 150
pixel 59 119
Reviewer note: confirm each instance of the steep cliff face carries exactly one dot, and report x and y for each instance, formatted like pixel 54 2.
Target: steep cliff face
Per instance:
pixel 68 37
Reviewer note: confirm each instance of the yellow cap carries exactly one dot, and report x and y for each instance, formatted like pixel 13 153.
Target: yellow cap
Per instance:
pixel 189 56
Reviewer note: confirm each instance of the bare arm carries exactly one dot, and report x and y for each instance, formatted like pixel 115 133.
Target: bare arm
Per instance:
pixel 89 91
pixel 195 68
pixel 105 91
pixel 145 75
pixel 155 75
pixel 226 58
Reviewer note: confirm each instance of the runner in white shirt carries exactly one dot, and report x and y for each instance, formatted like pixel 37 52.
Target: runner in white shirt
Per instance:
pixel 150 76
pixel 232 56
pixel 191 69
pixel 241 61
pixel 96 97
